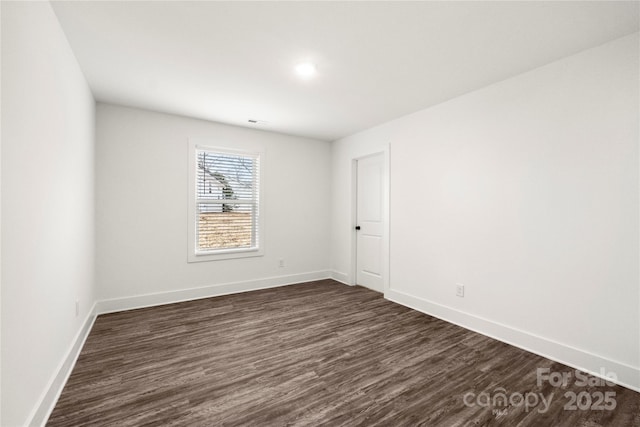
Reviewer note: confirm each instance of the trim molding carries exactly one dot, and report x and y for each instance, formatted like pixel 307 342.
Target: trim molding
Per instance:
pixel 41 412
pixel 340 277
pixel 170 297
pixel 627 376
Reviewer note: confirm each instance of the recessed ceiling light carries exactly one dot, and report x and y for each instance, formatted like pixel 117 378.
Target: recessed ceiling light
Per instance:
pixel 306 70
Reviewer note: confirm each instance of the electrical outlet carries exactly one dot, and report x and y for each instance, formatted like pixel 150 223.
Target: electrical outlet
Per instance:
pixel 281 263
pixel 77 308
pixel 459 290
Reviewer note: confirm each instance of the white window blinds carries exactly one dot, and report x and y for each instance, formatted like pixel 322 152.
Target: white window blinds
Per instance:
pixel 227 201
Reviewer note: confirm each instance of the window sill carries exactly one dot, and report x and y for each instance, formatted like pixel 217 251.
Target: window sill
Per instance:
pixel 224 255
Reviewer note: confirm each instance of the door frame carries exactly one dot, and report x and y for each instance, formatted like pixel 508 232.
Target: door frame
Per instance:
pixel 385 216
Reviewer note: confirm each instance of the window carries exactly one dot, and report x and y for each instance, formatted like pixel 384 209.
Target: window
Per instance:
pixel 225 218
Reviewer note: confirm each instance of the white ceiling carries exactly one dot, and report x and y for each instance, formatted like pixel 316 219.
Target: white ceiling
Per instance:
pixel 233 61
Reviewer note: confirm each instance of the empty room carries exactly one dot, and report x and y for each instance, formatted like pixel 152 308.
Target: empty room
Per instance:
pixel 332 213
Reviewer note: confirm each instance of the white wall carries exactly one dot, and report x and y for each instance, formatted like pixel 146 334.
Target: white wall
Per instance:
pixel 142 205
pixel 527 193
pixel 47 205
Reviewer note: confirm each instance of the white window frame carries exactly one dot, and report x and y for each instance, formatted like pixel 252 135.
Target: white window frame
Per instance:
pixel 194 255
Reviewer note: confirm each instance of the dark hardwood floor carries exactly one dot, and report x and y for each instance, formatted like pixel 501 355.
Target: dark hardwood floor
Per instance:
pixel 320 353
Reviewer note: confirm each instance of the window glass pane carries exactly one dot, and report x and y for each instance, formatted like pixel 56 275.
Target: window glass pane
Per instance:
pixel 222 176
pixel 227 201
pixel 220 229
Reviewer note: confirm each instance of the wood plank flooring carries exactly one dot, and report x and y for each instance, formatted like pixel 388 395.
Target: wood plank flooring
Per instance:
pixel 319 353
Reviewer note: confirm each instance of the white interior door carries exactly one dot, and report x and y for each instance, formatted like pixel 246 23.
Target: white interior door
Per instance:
pixel 369 221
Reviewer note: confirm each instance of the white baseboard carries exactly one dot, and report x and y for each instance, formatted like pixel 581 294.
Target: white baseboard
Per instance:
pixel 340 277
pixel 170 297
pixel 627 376
pixel 41 412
